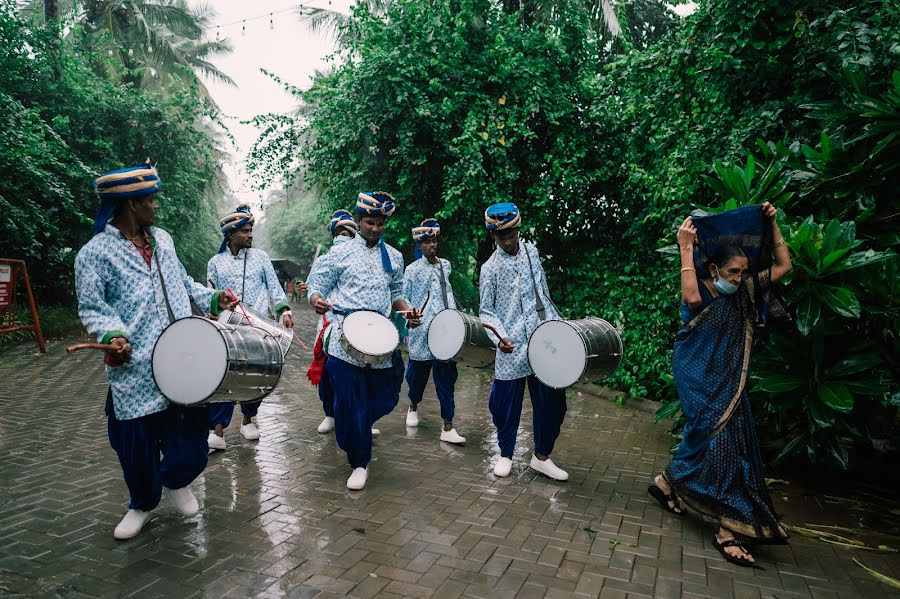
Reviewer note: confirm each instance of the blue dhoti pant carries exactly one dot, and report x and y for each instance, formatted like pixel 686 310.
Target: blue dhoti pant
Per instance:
pixel 548 405
pixel 220 413
pixel 361 397
pixel 326 393
pixel 165 449
pixel 445 375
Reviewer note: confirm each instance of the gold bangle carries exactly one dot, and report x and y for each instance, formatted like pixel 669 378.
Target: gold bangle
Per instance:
pixel 687 268
pixel 779 242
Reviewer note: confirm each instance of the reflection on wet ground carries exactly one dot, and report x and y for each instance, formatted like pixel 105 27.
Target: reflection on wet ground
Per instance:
pixel 278 521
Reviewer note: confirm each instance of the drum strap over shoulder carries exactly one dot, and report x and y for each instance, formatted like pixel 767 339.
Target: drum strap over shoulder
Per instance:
pixel 444 285
pixel 165 292
pixel 541 309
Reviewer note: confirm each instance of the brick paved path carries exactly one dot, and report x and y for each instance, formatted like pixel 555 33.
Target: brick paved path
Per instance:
pixel 278 521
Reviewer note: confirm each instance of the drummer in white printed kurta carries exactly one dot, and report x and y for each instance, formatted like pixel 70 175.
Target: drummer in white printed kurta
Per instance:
pixel 130 286
pixel 515 299
pixel 342 228
pixel 362 274
pixel 248 273
pixel 428 278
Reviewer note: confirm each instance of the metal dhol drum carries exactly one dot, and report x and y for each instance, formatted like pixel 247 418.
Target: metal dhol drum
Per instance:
pixel 197 360
pixel 459 337
pixel 369 337
pixel 563 352
pixel 283 334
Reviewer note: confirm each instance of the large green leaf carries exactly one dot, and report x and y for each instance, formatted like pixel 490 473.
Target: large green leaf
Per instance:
pixel 839 300
pixel 860 259
pixel 836 396
pixel 808 313
pixel 773 382
pixel 668 410
pixel 854 364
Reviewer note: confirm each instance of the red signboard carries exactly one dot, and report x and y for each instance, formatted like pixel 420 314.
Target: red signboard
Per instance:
pixel 10 270
pixel 6 285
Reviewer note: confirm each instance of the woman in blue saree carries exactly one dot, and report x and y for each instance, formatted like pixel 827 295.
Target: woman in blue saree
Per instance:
pixel 726 277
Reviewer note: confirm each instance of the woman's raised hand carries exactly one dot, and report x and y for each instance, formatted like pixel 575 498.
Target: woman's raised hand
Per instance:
pixel 769 210
pixel 687 234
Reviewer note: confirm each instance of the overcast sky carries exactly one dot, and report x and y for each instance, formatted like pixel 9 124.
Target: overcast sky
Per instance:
pixel 287 48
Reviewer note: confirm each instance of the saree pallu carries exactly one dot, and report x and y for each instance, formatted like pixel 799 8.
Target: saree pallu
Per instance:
pixel 717 469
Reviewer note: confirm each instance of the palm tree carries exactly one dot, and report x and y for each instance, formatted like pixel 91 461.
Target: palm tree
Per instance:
pixel 155 43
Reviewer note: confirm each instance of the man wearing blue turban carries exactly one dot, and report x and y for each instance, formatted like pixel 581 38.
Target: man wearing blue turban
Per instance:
pixel 515 299
pixel 362 274
pixel 247 272
pixel 429 277
pixel 130 286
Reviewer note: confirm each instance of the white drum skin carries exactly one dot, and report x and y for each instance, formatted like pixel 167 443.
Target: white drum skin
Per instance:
pixel 369 337
pixel 454 336
pixel 562 353
pixel 196 360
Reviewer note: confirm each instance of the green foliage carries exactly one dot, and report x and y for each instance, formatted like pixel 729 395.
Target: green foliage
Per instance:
pixel 63 126
pixel 56 322
pixel 452 106
pixel 294 227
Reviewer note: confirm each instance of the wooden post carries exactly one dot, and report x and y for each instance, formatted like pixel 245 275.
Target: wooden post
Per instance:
pixel 8 302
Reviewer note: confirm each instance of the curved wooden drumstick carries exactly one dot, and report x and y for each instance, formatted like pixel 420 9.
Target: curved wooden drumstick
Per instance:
pixel 417 312
pixel 101 346
pixel 493 330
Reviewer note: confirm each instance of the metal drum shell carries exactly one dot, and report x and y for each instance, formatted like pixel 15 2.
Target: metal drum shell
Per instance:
pixel 254 364
pixel 283 334
pixel 367 358
pixel 477 349
pixel 602 347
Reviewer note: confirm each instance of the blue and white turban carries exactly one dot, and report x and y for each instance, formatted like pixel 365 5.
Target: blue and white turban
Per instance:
pixel 502 216
pixel 237 219
pixel 427 228
pixel 341 218
pixel 375 202
pixel 122 184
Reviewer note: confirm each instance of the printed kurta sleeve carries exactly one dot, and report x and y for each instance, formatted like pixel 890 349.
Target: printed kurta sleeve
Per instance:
pixel 202 294
pixel 324 277
pixel 396 284
pixel 212 276
pixel 98 316
pixel 275 290
pixel 408 284
pixel 487 310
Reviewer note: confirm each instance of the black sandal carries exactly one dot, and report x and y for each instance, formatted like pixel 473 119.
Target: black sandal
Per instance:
pixel 733 559
pixel 664 499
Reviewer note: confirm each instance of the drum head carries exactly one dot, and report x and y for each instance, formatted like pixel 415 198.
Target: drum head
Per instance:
pixel 371 333
pixel 557 354
pixel 446 334
pixel 189 360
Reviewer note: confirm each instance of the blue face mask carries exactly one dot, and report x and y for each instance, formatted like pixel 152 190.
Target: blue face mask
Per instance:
pixel 723 286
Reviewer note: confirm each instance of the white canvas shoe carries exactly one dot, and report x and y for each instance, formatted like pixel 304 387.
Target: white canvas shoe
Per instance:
pixel 215 442
pixel 452 436
pixel 327 425
pixel 184 501
pixel 549 468
pixel 358 479
pixel 375 432
pixel 503 467
pixel 250 432
pixel 131 524
pixel 412 418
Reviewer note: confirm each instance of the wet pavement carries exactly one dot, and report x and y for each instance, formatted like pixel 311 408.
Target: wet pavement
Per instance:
pixel 433 521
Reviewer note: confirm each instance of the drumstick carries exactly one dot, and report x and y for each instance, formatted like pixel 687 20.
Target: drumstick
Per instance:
pixel 101 346
pixel 244 312
pixel 414 310
pixel 493 330
pixel 300 341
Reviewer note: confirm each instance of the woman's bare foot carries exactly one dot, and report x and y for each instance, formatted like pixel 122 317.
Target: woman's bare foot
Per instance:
pixel 735 550
pixel 660 481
